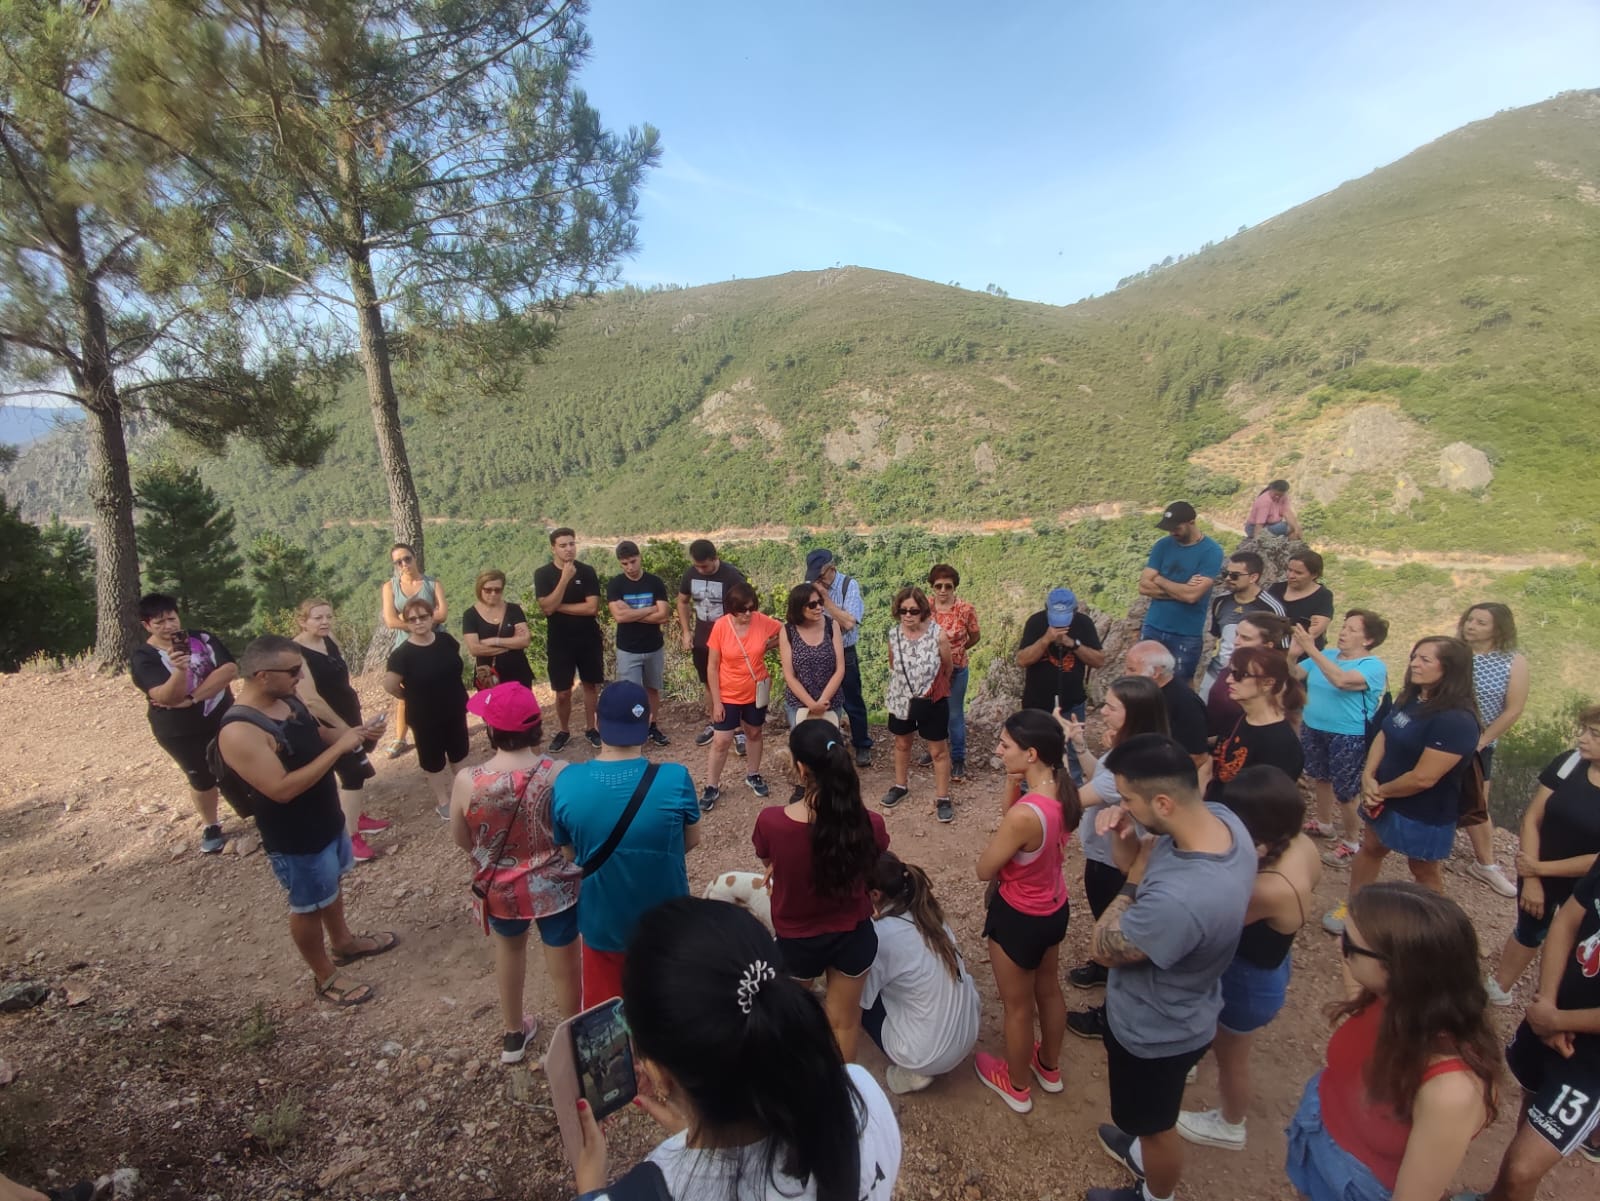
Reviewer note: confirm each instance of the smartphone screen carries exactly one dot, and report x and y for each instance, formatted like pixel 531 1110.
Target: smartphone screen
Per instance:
pixel 604 1059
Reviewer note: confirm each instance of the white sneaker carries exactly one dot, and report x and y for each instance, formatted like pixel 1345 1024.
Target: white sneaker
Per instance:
pixel 903 1080
pixel 1210 1129
pixel 1497 995
pixel 1490 874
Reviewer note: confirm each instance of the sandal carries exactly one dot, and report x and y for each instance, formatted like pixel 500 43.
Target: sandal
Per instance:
pixel 343 994
pixel 387 940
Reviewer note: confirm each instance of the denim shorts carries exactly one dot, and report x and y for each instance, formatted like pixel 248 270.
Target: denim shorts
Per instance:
pixel 313 880
pixel 557 930
pixel 1252 995
pixel 1411 838
pixel 1319 1167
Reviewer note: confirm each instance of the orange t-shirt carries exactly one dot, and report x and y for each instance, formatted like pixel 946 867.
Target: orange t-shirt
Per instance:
pixel 734 680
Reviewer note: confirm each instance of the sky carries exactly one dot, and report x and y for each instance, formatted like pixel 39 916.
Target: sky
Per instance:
pixel 1047 148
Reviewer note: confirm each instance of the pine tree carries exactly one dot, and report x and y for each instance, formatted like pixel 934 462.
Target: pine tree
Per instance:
pixel 284 575
pixel 47 609
pixel 186 537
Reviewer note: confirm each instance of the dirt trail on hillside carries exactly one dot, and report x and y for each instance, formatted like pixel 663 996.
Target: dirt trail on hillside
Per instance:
pixel 1109 510
pixel 141 1057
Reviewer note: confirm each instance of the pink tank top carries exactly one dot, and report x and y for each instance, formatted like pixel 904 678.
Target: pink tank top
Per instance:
pixel 1031 881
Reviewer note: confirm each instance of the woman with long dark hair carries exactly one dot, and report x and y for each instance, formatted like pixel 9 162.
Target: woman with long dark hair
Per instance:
pixel 818 851
pixel 1500 684
pixel 921 1005
pixel 1306 600
pixel 1256 983
pixel 1411 784
pixel 1262 684
pixel 1134 705
pixel 1028 907
pixel 1413 1071
pixel 1272 513
pixel 1254 629
pixel 737 1063
pixel 812 653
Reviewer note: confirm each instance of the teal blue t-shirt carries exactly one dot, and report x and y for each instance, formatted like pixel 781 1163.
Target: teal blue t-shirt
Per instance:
pixel 1334 710
pixel 1178 563
pixel 647 867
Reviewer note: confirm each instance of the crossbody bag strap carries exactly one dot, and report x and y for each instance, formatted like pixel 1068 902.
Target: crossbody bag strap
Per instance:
pixel 486 873
pixel 597 860
pixel 749 666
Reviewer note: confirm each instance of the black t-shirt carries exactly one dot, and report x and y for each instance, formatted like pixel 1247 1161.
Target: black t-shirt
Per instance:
pixel 151 668
pixel 1058 678
pixel 1580 981
pixel 1571 824
pixel 1186 717
pixel 638 637
pixel 584 584
pixel 331 675
pixel 708 594
pixel 510 666
pixel 309 822
pixel 432 676
pixel 1273 745
pixel 1318 604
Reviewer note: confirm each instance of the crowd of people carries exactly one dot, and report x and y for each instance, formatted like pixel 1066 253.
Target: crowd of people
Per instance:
pixel 1201 856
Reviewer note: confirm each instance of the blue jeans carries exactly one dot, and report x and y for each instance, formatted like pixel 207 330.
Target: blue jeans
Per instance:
pixel 1185 650
pixel 958 714
pixel 1280 528
pixel 855 707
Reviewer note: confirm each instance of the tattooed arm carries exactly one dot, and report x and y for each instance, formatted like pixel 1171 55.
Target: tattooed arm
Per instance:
pixel 1108 944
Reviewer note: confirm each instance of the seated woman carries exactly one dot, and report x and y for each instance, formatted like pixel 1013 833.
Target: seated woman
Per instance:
pixel 921 1005
pixel 500 815
pixel 737 1063
pixel 1255 984
pixel 1271 513
pixel 1414 1069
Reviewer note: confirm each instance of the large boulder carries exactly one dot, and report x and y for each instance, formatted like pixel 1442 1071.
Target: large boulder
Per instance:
pixel 1464 468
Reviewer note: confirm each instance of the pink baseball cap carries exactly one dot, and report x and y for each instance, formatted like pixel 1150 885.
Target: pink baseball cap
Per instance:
pixel 509 706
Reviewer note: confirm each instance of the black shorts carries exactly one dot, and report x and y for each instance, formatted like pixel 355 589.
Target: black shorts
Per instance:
pixel 439 738
pixel 734 715
pixel 702 660
pixel 1564 1106
pixel 1101 884
pixel 1146 1094
pixel 1023 937
pixel 931 719
pixel 850 952
pixel 584 657
pixel 188 751
pixel 353 770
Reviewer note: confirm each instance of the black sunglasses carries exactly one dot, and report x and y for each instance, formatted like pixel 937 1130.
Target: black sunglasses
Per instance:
pixel 814 604
pixel 403 559
pixel 1234 575
pixel 1239 673
pixel 1348 948
pixel 910 612
pixel 288 671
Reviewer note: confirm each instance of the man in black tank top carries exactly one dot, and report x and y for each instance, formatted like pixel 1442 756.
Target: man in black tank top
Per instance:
pixel 285 757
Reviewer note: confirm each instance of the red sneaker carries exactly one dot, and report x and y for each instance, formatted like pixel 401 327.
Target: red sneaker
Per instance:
pixel 1049 1078
pixel 359 849
pixel 996 1077
pixel 372 825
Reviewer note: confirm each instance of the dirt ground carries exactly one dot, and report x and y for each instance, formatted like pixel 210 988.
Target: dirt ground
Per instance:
pixel 151 1052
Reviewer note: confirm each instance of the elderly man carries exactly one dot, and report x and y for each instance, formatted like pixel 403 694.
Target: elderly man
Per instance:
pixel 1186 712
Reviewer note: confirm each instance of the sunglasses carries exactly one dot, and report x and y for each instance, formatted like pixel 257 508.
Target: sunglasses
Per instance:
pixel 288 671
pixel 1235 575
pixel 814 604
pixel 1347 948
pixel 1239 673
pixel 739 612
pixel 944 587
pixel 402 560
pixel 428 617
pixel 911 613
pixel 488 589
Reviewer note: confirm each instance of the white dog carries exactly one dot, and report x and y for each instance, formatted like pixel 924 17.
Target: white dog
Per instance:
pixel 744 889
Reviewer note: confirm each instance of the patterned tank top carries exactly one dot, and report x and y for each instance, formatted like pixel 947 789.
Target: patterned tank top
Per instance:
pixel 916 669
pixel 814 665
pixel 401 600
pixel 1491 680
pixel 531 878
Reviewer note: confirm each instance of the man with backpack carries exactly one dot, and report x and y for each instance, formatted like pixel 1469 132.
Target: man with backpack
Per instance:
pixel 283 758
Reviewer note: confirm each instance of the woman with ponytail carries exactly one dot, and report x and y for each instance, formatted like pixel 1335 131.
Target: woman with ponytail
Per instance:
pixel 818 850
pixel 1255 984
pixel 920 1004
pixel 738 1063
pixel 1028 908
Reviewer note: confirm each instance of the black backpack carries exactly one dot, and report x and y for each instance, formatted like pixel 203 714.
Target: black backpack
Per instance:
pixel 245 799
pixel 1379 716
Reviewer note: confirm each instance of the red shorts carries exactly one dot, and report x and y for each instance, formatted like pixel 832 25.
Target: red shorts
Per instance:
pixel 602 975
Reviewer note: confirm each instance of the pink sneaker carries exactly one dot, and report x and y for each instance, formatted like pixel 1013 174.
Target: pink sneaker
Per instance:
pixel 1339 855
pixel 996 1076
pixel 1319 829
pixel 1049 1078
pixel 359 849
pixel 372 825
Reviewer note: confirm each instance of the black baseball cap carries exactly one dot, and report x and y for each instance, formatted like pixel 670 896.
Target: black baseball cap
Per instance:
pixel 1178 512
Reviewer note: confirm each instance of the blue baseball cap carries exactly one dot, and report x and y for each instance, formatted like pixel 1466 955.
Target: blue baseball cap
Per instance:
pixel 623 714
pixel 817 563
pixel 1059 607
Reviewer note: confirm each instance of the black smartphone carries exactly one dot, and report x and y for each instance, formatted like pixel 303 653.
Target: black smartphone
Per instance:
pixel 180 640
pixel 603 1055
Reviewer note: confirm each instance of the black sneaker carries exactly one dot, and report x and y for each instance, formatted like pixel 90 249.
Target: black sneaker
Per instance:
pixel 945 809
pixel 798 795
pixel 757 784
pixel 514 1046
pixel 925 759
pixel 863 756
pixel 1590 1149
pixel 958 770
pixel 560 741
pixel 1088 1023
pixel 593 736
pixel 1087 975
pixel 704 737
pixel 1119 1146
pixel 894 796
pixel 212 841
pixel 657 737
pixel 738 745
pixel 709 796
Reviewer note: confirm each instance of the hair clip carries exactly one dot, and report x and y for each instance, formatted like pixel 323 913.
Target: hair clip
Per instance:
pixel 750 983
pixel 832 742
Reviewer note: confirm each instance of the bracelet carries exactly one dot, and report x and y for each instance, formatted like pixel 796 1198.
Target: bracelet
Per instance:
pixel 1128 890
